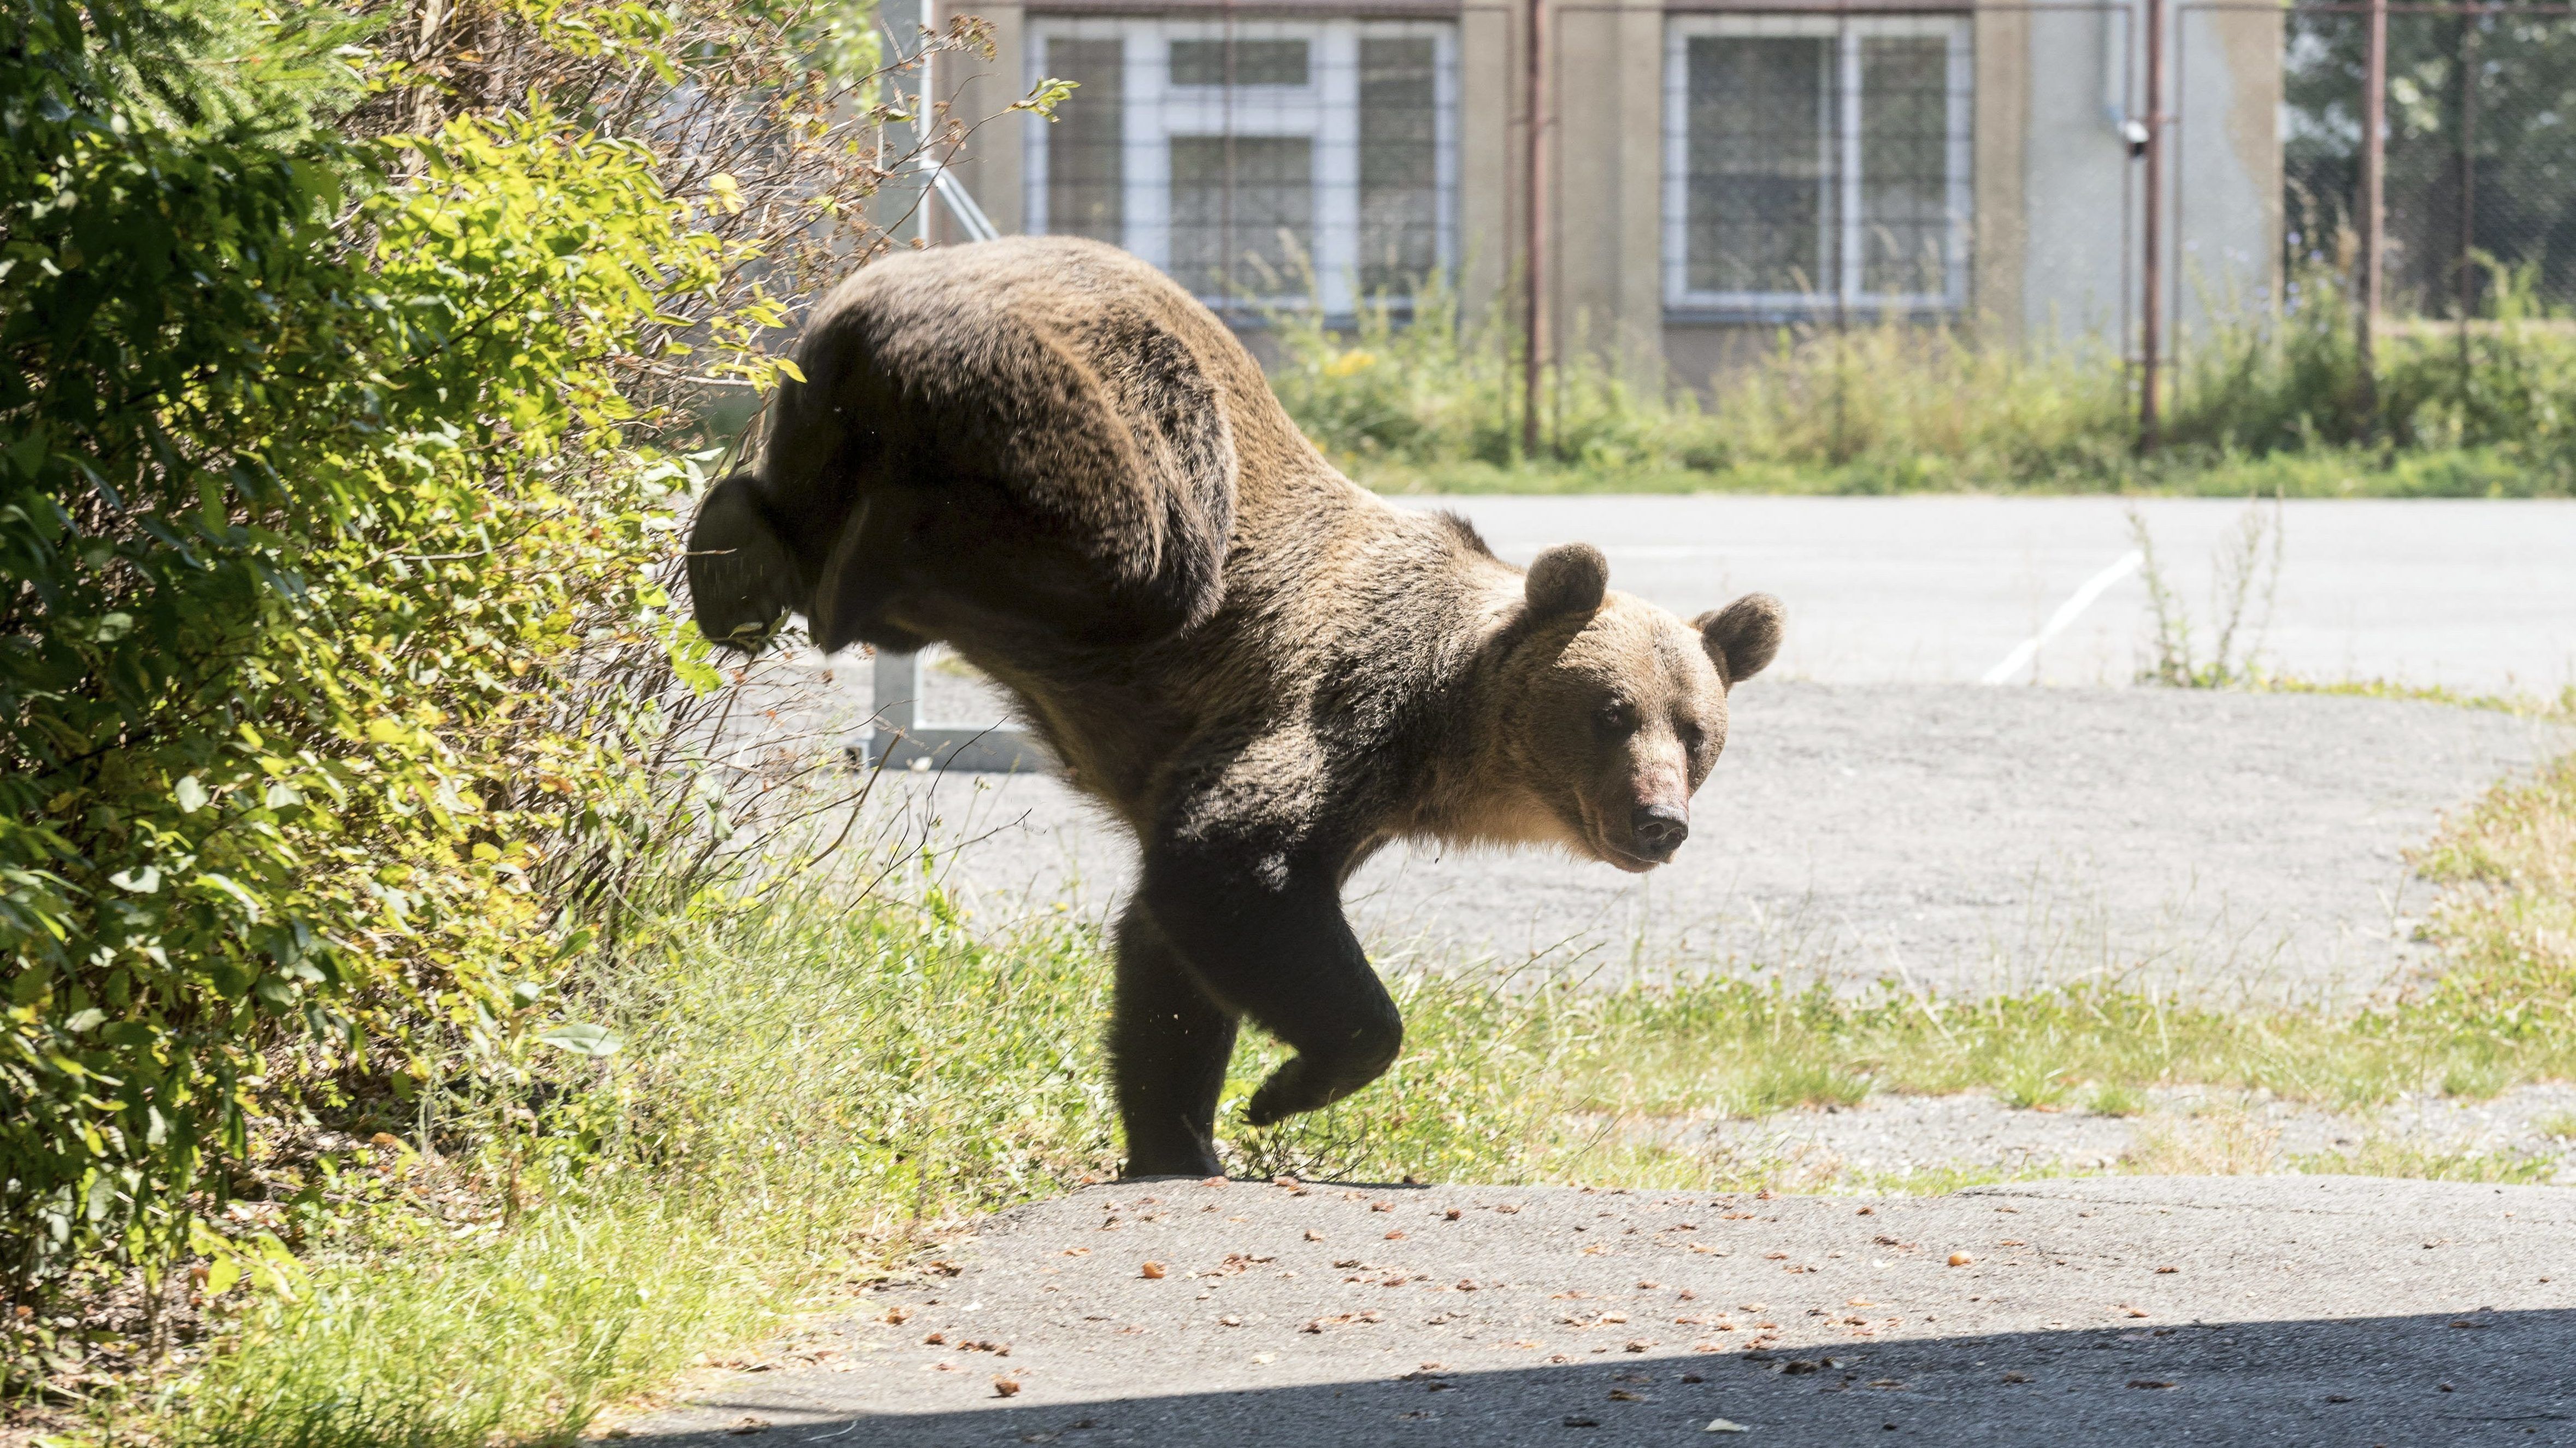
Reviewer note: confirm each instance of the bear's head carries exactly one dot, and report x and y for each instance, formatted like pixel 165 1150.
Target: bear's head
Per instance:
pixel 1614 709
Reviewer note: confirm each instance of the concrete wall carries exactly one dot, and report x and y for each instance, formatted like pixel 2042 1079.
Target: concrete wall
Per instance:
pixel 2057 210
pixel 2082 206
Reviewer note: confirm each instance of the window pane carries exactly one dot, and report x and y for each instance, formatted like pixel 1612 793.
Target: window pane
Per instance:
pixel 1256 62
pixel 1399 163
pixel 1760 215
pixel 1904 163
pixel 1086 171
pixel 1255 236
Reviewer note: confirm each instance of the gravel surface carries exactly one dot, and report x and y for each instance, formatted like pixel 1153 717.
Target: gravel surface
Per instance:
pixel 1905 1134
pixel 1961 838
pixel 2138 1310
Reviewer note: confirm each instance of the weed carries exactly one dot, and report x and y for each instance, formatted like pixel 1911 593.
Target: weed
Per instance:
pixel 2477 1078
pixel 2264 402
pixel 2115 1098
pixel 2387 1157
pixel 2220 1143
pixel 2558 1127
pixel 2246 576
pixel 2030 1079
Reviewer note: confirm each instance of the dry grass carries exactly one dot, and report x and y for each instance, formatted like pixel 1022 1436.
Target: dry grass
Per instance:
pixel 2216 1143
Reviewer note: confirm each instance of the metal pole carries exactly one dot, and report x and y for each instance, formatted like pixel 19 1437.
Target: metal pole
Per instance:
pixel 2373 204
pixel 2151 269
pixel 1534 244
pixel 2468 280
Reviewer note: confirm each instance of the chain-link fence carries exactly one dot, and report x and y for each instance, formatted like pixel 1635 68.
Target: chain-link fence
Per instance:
pixel 2480 140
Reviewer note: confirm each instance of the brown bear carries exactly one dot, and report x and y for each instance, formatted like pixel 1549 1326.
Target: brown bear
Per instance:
pixel 1047 455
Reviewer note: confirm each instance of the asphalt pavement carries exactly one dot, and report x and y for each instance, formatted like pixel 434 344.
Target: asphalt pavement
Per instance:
pixel 2473 594
pixel 1954 837
pixel 1879 813
pixel 2136 1310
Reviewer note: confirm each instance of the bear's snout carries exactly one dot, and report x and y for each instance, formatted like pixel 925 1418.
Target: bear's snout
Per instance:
pixel 1658 829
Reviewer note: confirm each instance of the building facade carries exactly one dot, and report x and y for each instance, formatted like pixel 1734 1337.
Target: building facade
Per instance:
pixel 1706 173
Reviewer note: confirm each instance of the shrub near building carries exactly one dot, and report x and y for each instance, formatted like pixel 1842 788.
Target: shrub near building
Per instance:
pixel 331 632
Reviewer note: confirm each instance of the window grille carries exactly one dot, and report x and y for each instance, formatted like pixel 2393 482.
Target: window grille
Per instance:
pixel 1814 164
pixel 1242 157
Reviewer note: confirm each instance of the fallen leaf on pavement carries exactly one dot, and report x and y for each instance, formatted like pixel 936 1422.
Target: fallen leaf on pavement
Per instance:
pixel 1576 1421
pixel 1622 1395
pixel 1005 1387
pixel 1961 1259
pixel 749 1426
pixel 1151 1269
pixel 2149 1383
pixel 1313 1236
pixel 1725 1425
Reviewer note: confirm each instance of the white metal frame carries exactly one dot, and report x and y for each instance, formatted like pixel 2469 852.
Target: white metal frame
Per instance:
pixel 1326 109
pixel 898 738
pixel 1844 170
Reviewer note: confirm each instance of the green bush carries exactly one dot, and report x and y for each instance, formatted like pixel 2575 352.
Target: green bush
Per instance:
pixel 2258 401
pixel 333 635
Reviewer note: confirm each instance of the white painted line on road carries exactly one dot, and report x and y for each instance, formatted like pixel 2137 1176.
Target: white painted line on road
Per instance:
pixel 2067 612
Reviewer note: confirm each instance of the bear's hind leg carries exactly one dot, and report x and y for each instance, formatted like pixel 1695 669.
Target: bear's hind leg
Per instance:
pixel 1168 1048
pixel 1283 954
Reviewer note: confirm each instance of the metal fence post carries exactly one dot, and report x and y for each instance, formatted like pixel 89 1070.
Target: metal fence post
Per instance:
pixel 2373 205
pixel 2151 275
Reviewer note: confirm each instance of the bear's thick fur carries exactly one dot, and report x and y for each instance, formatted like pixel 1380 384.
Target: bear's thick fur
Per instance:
pixel 1047 455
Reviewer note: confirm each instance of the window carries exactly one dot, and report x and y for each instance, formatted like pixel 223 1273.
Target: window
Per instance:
pixel 1815 163
pixel 1243 158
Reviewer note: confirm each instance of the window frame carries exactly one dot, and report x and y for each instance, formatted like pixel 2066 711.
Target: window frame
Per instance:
pixel 1325 110
pixel 1843 171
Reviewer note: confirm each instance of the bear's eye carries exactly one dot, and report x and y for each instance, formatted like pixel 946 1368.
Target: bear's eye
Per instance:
pixel 1615 719
pixel 1692 736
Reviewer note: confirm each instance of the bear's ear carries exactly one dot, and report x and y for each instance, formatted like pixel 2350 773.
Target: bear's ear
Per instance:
pixel 1742 637
pixel 1568 578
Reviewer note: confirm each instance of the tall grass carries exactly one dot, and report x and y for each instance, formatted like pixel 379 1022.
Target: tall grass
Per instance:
pixel 2258 401
pixel 815 1085
pixel 806 1091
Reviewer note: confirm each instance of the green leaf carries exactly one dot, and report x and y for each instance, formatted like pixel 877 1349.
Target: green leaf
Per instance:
pixel 581 1038
pixel 191 795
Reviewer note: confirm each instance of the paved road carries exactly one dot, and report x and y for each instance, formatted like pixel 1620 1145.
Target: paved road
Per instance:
pixel 2473 594
pixel 1876 814
pixel 2143 1310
